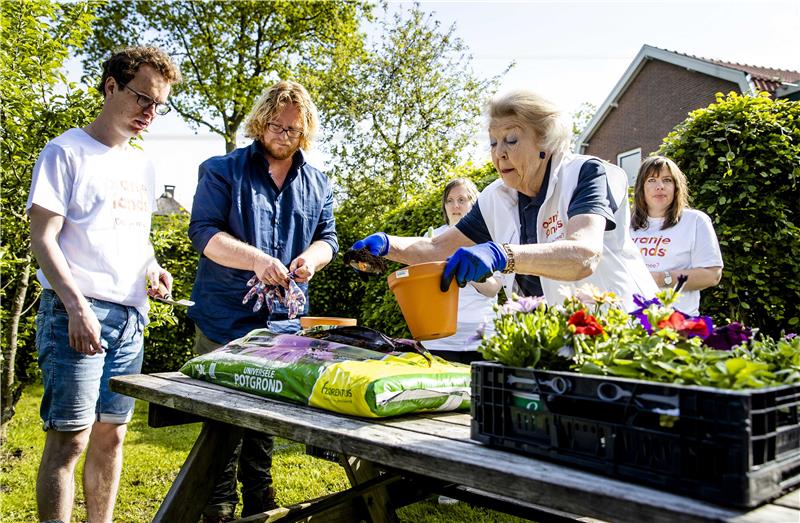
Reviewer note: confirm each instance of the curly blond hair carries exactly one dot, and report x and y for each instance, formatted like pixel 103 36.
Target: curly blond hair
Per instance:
pixel 272 102
pixel 125 63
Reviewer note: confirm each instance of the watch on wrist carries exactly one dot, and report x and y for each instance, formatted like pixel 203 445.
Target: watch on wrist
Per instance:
pixel 667 279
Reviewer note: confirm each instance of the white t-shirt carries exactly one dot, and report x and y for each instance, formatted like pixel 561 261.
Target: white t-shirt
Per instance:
pixel 474 309
pixel 107 196
pixel 689 244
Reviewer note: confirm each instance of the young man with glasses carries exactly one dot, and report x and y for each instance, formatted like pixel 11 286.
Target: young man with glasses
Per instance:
pixel 90 203
pixel 259 209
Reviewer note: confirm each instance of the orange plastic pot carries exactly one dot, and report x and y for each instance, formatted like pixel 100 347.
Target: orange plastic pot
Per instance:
pixel 429 312
pixel 307 322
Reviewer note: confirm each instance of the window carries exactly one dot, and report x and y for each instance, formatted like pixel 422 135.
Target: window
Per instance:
pixel 630 161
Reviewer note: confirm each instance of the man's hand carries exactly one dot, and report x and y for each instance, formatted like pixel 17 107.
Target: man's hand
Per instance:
pixel 474 263
pixel 376 243
pixel 84 331
pixel 302 269
pixel 159 282
pixel 270 271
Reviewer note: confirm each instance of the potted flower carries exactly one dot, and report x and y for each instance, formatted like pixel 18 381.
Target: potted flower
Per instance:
pixel 589 333
pixel 654 396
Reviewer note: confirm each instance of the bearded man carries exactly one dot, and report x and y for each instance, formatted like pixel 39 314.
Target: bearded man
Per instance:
pixel 259 209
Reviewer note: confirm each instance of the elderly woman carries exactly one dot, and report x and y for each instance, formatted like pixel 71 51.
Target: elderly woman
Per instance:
pixel 673 238
pixel 551 218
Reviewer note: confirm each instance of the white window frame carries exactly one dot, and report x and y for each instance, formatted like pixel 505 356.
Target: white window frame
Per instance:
pixel 631 152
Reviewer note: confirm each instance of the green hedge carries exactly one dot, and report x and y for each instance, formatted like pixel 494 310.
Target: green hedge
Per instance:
pixel 170 335
pixel 742 158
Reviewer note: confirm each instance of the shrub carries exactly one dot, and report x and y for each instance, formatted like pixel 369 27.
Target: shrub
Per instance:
pixel 170 335
pixel 742 157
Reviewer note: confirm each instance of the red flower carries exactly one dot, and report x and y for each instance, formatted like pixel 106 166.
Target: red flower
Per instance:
pixel 585 324
pixel 688 327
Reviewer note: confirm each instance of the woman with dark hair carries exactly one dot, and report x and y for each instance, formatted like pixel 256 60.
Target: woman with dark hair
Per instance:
pixel 673 238
pixel 476 300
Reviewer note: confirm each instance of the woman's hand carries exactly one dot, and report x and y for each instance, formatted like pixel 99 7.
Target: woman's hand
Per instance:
pixel 377 244
pixel 475 263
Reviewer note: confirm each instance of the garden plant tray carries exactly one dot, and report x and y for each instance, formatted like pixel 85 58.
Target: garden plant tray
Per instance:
pixel 730 447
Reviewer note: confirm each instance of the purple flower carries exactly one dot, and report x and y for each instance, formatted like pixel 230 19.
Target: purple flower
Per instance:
pixel 729 336
pixel 790 336
pixel 479 333
pixel 566 351
pixel 524 305
pixel 639 314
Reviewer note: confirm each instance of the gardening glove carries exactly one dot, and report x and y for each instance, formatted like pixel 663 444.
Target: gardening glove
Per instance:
pixel 376 243
pixel 474 263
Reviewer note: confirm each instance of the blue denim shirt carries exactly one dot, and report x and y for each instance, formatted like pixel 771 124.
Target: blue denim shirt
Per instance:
pixel 235 194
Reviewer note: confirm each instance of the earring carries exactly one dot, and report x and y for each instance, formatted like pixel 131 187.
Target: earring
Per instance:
pixel 542 155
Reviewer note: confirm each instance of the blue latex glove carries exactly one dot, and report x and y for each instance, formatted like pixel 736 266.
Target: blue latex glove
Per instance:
pixel 376 243
pixel 474 263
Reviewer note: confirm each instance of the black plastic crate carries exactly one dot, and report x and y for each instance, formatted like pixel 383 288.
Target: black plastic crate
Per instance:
pixel 731 447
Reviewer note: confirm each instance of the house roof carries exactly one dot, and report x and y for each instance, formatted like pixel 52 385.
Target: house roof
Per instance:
pixel 749 78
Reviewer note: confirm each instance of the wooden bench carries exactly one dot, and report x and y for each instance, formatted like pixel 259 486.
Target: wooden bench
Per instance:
pixel 396 461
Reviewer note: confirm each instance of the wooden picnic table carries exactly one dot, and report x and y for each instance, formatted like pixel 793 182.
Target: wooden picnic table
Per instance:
pixel 392 462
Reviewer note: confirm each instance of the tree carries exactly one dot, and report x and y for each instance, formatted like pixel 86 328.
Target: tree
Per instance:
pixel 580 119
pixel 229 52
pixel 407 116
pixel 38 105
pixel 742 158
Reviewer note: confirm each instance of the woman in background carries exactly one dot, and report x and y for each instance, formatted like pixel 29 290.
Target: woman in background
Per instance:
pixel 673 238
pixel 475 301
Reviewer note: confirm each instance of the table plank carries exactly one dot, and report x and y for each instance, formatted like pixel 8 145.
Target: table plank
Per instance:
pixel 404 444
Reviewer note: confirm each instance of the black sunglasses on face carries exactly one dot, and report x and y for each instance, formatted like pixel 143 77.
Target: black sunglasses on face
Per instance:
pixel 145 101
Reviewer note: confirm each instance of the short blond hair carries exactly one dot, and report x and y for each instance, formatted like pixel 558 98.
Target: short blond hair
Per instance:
pixel 551 126
pixel 273 101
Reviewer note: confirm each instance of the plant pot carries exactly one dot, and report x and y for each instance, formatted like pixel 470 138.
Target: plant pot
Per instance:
pixel 429 312
pixel 307 322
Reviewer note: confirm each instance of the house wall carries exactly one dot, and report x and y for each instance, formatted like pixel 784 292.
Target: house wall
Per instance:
pixel 659 98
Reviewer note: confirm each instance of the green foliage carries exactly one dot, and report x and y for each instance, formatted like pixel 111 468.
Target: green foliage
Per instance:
pixel 38 105
pixel 170 334
pixel 338 291
pixel 408 113
pixel 742 158
pixel 228 52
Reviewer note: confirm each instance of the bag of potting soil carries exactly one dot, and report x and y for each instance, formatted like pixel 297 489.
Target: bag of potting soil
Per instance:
pixel 334 376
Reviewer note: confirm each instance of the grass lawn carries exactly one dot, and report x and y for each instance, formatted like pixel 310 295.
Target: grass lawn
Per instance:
pixel 152 460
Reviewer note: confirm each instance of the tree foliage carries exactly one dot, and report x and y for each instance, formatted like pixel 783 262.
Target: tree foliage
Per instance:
pixel 408 115
pixel 228 52
pixel 742 158
pixel 38 105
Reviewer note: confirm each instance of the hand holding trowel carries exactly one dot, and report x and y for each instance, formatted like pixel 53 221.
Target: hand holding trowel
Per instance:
pixel 165 296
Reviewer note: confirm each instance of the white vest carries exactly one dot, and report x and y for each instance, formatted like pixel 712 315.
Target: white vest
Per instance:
pixel 621 268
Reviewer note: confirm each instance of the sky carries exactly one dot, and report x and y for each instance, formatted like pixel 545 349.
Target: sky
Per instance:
pixel 569 51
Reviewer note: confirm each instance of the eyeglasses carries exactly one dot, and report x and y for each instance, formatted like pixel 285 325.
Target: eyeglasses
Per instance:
pixel 279 129
pixel 145 102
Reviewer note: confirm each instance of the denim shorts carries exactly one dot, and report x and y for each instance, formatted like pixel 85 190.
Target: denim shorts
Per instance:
pixel 76 392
